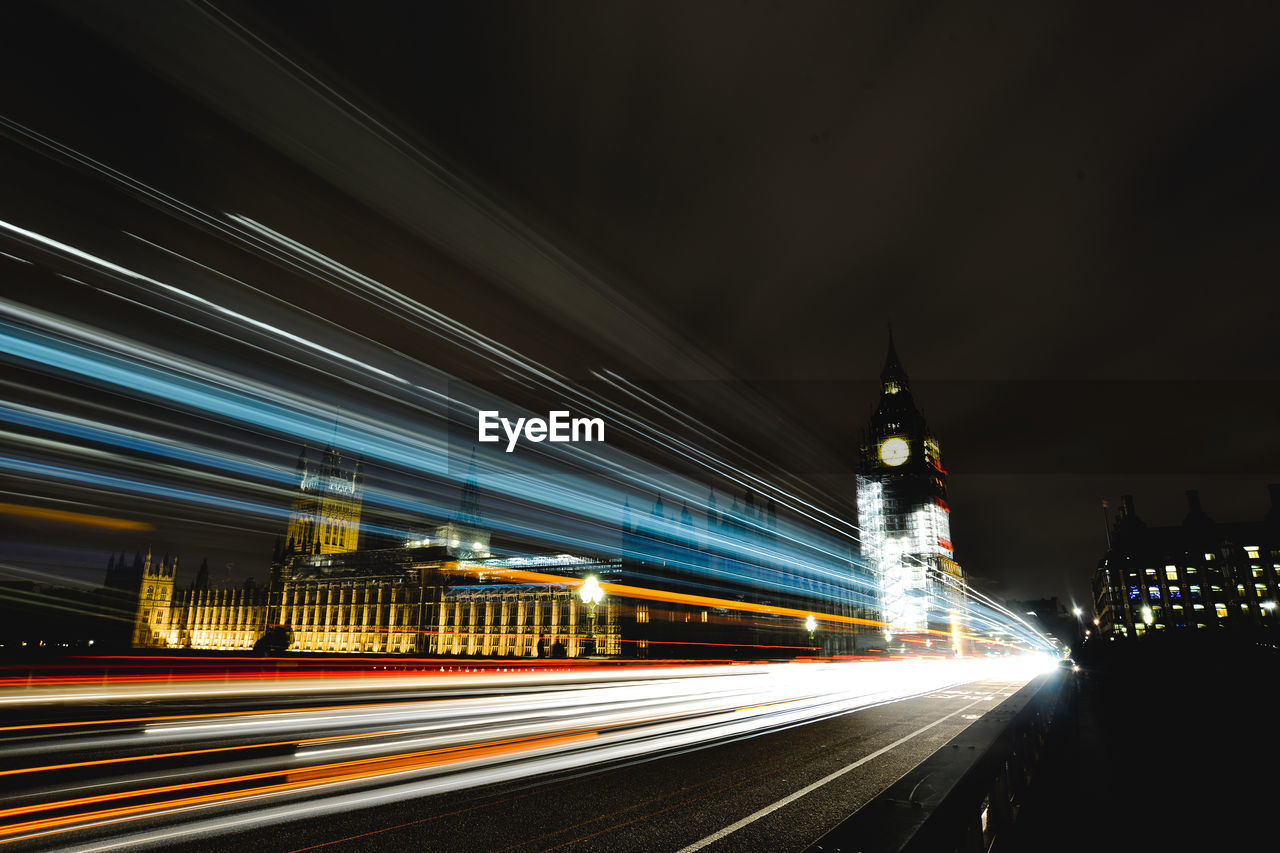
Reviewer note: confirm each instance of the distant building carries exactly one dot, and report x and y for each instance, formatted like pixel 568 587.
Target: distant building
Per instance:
pixel 1049 617
pixel 1198 575
pixel 903 513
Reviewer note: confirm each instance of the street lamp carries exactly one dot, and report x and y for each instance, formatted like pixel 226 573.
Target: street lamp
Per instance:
pixel 810 625
pixel 591 595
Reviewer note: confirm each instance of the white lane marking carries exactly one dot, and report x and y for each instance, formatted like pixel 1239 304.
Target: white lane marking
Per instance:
pixel 808 789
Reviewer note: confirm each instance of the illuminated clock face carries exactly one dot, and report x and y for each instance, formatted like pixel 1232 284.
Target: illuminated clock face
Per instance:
pixel 894 451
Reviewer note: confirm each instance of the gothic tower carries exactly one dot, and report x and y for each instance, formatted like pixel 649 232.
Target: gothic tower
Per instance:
pixel 155 603
pixel 903 512
pixel 325 516
pixel 465 535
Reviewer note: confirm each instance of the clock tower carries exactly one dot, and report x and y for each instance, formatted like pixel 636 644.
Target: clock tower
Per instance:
pixel 904 516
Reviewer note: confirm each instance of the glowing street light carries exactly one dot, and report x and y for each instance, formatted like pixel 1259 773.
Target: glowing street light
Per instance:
pixel 591 594
pixel 1147 616
pixel 590 591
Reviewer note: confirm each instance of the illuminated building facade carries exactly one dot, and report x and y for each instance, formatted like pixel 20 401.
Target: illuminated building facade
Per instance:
pixel 442 594
pixel 411 600
pixel 325 516
pixel 155 610
pixel 525 619
pixel 1199 575
pixel 903 512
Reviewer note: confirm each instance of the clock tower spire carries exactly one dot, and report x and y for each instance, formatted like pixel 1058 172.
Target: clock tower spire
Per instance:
pixel 893 375
pixel 903 512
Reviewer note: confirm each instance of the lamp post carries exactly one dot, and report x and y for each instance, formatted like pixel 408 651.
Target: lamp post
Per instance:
pixel 811 625
pixel 591 595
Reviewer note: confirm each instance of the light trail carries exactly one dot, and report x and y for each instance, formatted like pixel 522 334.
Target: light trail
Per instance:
pixel 226 771
pixel 82 519
pixel 562 499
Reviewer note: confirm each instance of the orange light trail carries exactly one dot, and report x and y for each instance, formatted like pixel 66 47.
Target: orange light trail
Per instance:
pixel 647 594
pixel 321 774
pixel 161 755
pixel 63 516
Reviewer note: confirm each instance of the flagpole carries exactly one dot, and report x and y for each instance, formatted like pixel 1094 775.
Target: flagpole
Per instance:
pixel 1106 524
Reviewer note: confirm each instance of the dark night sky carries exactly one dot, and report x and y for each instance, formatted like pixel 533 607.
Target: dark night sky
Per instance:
pixel 1067 210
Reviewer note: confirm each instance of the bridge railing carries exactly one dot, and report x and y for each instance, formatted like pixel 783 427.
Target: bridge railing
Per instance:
pixel 968 795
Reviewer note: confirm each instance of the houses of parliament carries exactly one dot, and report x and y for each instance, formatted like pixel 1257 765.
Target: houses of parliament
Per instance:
pixel 445 594
pixel 433 596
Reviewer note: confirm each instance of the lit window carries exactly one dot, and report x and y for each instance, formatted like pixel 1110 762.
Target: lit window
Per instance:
pixel 1208 556
pixel 1197 607
pixel 1260 589
pixel 1220 609
pixel 1191 570
pixel 1171 573
pixel 1257 571
pixel 1151 573
pixel 1252 551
